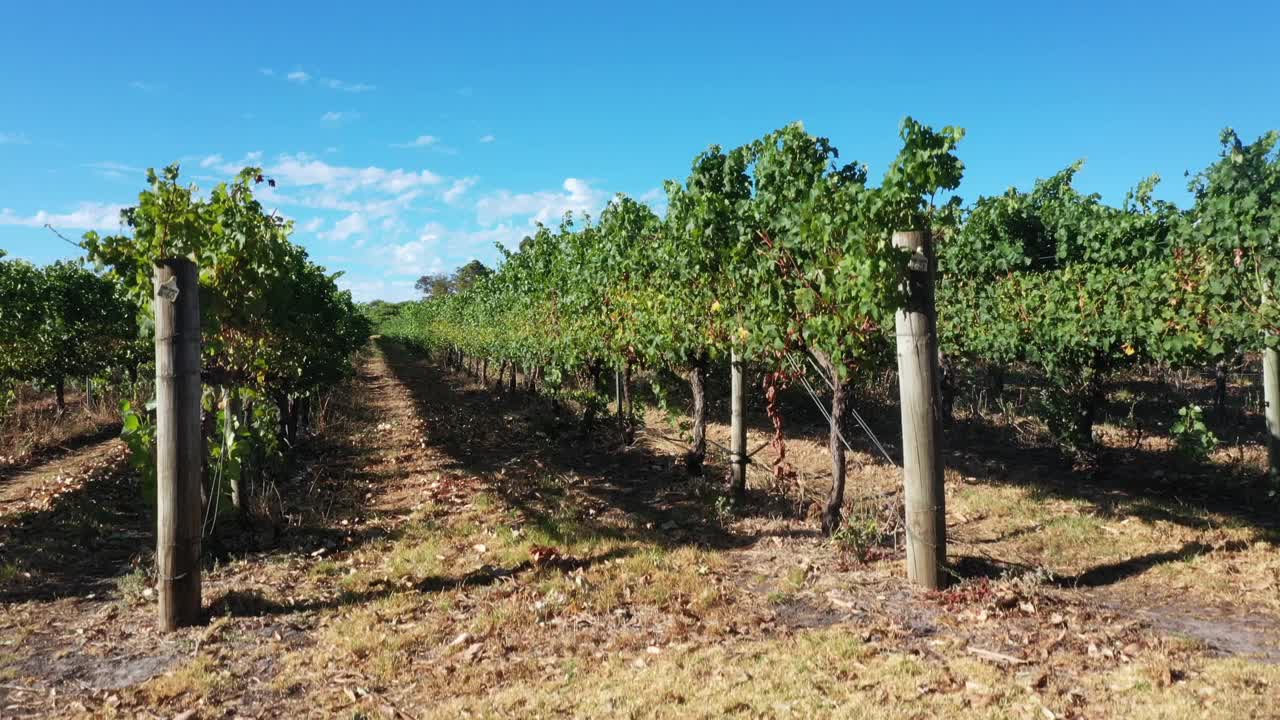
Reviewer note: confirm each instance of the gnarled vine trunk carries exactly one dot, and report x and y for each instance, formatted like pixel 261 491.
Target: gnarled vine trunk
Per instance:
pixel 1220 391
pixel 628 414
pixel 946 388
pixel 737 427
pixel 996 374
pixel 288 408
pixel 230 415
pixel 832 513
pixel 697 454
pixel 1086 416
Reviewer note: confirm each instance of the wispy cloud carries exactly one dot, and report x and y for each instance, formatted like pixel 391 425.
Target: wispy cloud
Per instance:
pixel 353 224
pixel 216 163
pixel 458 189
pixel 350 87
pixel 487 138
pixel 339 117
pixel 312 225
pixel 418 142
pixel 302 77
pixel 114 170
pixel 86 216
pixel 144 86
pixel 655 198
pixel 9 138
pixel 327 200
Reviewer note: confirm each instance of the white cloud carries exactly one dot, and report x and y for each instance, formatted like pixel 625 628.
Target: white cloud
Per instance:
pixel 353 224
pixel 7 138
pixel 229 168
pixel 114 170
pixel 143 86
pixel 331 201
pixel 302 77
pixel 420 141
pixel 415 257
pixel 86 216
pixel 487 138
pixel 304 170
pixel 473 242
pixel 655 198
pixel 331 149
pixel 458 189
pixel 363 290
pixel 438 247
pixel 338 117
pixel 392 226
pixel 374 201
pixel 545 206
pixel 358 87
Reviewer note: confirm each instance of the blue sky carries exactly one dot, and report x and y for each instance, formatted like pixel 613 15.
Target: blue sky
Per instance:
pixel 409 138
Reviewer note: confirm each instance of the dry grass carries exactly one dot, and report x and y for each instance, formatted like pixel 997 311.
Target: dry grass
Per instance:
pixel 199 680
pixel 481 562
pixel 830 673
pixel 32 428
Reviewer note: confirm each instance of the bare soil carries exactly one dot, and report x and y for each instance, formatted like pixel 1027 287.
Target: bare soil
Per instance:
pixel 445 550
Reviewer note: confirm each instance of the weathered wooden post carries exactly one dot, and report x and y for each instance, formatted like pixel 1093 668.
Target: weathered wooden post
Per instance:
pixel 921 416
pixel 178 442
pixel 1271 397
pixel 737 426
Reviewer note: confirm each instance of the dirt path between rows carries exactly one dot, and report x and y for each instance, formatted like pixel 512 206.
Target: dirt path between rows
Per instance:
pixel 401 582
pixel 22 489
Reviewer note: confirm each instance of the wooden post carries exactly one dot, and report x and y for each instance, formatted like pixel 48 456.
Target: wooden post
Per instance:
pixel 1271 398
pixel 178 442
pixel 921 416
pixel 737 427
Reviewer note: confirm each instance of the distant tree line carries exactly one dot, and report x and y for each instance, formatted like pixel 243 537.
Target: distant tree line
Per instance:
pixel 441 284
